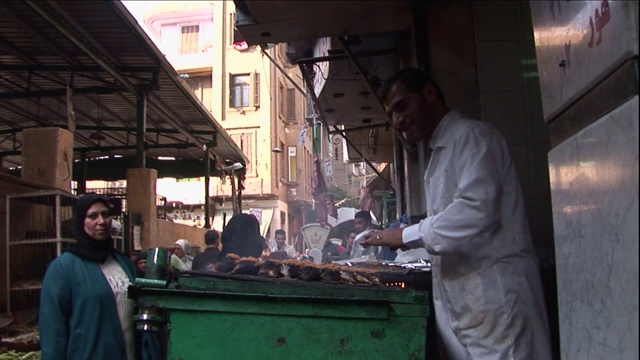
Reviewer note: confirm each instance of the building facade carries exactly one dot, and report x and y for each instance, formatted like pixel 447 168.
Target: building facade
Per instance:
pixel 257 104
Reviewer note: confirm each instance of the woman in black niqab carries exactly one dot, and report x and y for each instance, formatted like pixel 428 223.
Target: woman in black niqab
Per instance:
pixel 87 247
pixel 241 236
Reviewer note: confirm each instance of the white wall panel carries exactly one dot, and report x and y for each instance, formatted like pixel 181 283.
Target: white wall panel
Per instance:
pixel 594 190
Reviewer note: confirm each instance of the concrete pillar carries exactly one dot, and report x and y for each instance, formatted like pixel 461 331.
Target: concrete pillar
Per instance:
pixel 47 156
pixel 141 199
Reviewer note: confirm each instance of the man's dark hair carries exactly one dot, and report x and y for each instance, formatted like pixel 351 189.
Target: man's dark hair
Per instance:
pixel 281 232
pixel 211 237
pixel 414 81
pixel 363 214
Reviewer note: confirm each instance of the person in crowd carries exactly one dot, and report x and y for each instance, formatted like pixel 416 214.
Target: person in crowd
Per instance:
pixel 488 297
pixel 351 238
pixel 209 256
pixel 266 251
pixel 347 244
pixel 242 237
pixel 281 242
pixel 331 249
pixel 182 251
pixel 141 263
pixel 273 246
pixel 84 309
pixel 363 226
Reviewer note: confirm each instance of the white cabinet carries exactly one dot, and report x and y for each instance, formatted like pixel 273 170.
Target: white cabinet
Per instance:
pixel 39 227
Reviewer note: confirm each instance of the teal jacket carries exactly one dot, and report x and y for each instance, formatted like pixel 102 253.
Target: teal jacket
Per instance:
pixel 78 314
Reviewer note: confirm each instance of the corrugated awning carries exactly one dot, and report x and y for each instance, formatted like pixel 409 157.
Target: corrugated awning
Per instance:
pixel 89 61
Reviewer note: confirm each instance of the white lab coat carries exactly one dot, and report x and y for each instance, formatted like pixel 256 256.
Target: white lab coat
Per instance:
pixel 487 292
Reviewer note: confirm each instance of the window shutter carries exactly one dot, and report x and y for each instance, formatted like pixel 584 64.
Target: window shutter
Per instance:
pixel 189 39
pixel 291 104
pixel 247 149
pixel 256 89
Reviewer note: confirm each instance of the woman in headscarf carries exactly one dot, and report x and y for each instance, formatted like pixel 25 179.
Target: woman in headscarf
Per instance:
pixel 241 236
pixel 84 309
pixel 181 251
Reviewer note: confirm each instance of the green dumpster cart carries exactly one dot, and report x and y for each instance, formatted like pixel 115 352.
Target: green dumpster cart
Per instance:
pixel 207 318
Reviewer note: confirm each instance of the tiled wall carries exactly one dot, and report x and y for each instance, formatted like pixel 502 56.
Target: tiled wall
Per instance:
pixel 510 100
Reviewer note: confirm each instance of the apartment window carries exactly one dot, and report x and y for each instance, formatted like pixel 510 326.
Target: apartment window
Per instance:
pixel 291 105
pixel 287 104
pixel 282 52
pixel 201 87
pixel 189 39
pixel 293 163
pixel 245 142
pixel 283 167
pixel 196 87
pixel 235 37
pixel 244 90
pixel 283 101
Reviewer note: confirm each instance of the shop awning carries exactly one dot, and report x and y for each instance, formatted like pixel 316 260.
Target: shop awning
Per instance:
pixel 83 65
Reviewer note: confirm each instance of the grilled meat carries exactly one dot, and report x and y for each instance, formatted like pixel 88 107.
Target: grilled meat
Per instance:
pixel 271 268
pixel 247 266
pixel 310 272
pixel 291 268
pixel 330 272
pixel 225 266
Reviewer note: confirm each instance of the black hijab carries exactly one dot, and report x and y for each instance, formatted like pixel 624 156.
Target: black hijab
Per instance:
pixel 241 236
pixel 86 247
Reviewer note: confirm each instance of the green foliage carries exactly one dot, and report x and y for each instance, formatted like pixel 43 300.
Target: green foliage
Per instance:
pixel 339 195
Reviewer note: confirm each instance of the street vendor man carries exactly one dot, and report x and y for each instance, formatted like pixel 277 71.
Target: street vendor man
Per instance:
pixel 487 293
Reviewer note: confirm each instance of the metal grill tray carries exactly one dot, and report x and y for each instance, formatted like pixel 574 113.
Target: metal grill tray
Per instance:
pixel 413 278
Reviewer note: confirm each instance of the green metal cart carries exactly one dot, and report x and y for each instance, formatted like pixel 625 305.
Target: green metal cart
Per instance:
pixel 210 318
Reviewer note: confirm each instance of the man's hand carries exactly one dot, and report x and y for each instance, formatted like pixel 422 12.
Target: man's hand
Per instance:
pixel 390 237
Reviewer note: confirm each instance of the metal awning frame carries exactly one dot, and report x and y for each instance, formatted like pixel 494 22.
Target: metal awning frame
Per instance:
pixel 133 86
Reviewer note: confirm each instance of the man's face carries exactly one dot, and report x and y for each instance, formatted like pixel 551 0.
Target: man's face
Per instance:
pixel 280 240
pixel 142 264
pixel 411 113
pixel 361 224
pixel 97 222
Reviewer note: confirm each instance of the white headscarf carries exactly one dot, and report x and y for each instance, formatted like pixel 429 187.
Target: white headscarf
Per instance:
pixel 185 245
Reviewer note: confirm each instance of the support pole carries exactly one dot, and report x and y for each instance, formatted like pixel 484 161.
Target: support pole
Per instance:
pixel 141 122
pixel 207 171
pixel 239 194
pixel 82 179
